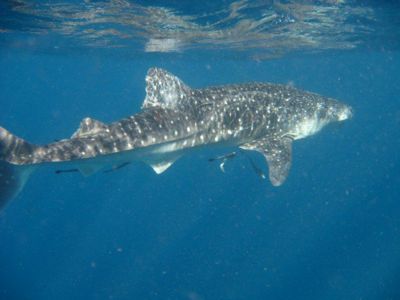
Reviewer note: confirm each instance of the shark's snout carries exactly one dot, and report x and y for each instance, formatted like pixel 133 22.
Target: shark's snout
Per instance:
pixel 345 113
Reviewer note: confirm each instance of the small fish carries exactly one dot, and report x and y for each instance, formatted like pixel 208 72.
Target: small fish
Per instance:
pixel 66 171
pixel 117 167
pixel 224 159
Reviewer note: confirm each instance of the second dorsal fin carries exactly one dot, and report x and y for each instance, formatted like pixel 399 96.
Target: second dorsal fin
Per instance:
pixel 89 126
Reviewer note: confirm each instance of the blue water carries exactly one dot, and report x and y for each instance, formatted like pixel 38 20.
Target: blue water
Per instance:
pixel 332 231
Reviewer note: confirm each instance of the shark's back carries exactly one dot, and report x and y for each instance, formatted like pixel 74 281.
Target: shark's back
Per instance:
pixel 253 110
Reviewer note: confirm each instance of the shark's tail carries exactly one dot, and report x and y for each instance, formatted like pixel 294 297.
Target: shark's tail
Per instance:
pixel 14 165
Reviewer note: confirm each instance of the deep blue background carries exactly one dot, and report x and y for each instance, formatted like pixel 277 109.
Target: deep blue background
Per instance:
pixel 332 231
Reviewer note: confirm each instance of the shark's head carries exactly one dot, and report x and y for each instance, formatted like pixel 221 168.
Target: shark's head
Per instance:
pixel 322 112
pixel 333 110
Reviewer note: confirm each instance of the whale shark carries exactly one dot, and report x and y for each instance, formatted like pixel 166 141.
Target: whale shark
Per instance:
pixel 176 119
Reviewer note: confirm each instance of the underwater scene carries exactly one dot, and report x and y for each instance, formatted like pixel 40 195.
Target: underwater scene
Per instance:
pixel 228 149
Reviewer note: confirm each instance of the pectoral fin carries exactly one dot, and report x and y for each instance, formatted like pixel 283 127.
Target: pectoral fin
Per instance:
pixel 278 153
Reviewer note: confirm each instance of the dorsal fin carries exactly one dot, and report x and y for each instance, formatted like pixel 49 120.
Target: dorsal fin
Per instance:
pixel 89 126
pixel 163 89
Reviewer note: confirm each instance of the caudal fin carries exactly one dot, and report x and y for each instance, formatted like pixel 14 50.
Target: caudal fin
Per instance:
pixel 14 165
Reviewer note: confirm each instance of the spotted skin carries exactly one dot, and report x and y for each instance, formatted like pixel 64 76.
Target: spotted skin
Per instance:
pixel 176 118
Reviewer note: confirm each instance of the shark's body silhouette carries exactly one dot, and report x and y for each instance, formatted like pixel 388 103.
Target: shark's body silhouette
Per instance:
pixel 174 119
